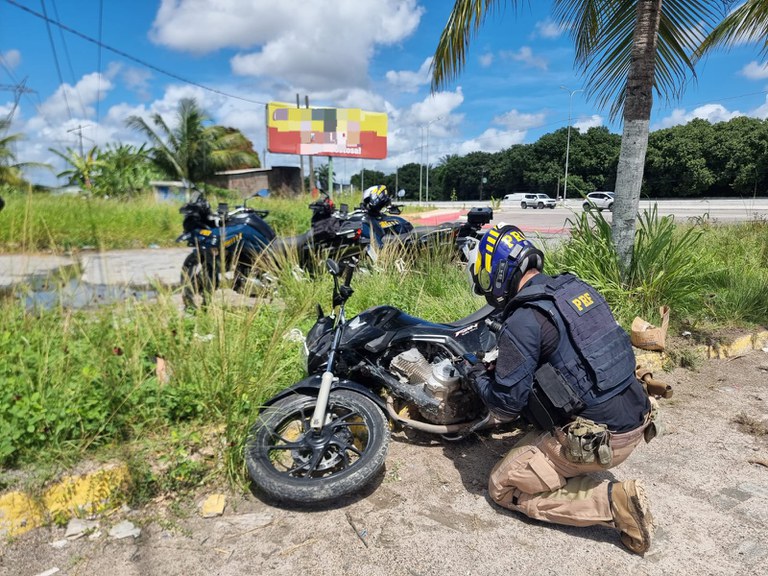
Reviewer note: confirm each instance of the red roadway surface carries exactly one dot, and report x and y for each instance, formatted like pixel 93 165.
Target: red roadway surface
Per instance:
pixel 436 219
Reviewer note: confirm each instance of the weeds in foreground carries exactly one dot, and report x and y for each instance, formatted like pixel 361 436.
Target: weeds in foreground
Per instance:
pixel 74 383
pixel 705 273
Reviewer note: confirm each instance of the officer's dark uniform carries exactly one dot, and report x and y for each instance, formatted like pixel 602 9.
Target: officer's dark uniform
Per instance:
pixel 564 324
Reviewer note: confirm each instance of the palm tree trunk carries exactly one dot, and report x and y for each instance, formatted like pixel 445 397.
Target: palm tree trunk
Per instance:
pixel 634 140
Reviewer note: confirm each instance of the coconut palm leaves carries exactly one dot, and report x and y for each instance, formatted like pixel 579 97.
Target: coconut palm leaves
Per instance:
pixel 603 33
pixel 191 150
pixel 10 170
pixel 748 22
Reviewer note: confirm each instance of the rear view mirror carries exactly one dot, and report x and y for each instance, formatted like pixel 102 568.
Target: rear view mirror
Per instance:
pixel 332 266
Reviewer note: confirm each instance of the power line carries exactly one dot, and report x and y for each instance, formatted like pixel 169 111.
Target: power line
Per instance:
pixel 98 60
pixel 69 61
pixel 129 57
pixel 56 59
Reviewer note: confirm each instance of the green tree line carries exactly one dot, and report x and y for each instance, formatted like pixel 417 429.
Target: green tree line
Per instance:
pixel 698 159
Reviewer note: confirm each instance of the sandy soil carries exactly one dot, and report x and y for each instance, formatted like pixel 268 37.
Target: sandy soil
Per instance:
pixel 429 514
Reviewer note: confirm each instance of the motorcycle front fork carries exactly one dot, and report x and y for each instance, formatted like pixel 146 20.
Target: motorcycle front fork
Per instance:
pixel 318 416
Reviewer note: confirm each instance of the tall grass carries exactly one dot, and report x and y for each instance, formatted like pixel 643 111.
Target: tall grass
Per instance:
pixel 75 381
pixel 33 222
pixel 706 273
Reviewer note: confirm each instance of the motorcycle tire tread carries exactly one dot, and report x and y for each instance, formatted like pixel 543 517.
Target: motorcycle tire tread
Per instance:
pixel 284 489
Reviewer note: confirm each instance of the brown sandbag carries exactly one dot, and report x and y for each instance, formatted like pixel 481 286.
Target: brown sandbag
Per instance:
pixel 646 336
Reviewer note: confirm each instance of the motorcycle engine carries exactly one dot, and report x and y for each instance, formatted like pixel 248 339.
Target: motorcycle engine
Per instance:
pixel 440 381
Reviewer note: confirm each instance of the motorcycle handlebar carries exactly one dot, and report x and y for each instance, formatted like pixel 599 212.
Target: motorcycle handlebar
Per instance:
pixel 350 269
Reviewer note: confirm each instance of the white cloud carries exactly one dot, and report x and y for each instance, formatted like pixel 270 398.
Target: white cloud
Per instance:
pixel 712 112
pixel 11 58
pixel 514 120
pixel 486 60
pixel 549 29
pixel 76 100
pixel 434 106
pixel 408 81
pixel 585 123
pixel 761 111
pixel 755 71
pixel 305 42
pixel 492 140
pixel 526 56
pixel 137 80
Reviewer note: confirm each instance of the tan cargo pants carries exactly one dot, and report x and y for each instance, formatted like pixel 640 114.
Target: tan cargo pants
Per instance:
pixel 535 478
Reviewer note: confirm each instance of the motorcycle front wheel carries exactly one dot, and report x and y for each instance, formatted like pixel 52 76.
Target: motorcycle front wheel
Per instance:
pixel 199 278
pixel 291 463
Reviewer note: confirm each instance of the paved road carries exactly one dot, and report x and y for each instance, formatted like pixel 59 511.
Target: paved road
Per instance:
pixel 144 268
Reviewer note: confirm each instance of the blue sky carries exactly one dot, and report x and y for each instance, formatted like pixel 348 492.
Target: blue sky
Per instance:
pixel 237 55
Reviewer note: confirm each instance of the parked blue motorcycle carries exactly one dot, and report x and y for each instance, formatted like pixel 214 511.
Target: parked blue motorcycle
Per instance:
pixel 241 243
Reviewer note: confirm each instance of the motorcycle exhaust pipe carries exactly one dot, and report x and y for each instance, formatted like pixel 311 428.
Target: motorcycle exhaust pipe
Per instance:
pixel 431 428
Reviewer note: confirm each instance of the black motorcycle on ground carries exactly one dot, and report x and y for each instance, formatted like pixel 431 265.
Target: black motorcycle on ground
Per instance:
pixel 327 436
pixel 242 244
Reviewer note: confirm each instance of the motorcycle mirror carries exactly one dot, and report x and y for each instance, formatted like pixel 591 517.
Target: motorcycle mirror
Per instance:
pixel 263 193
pixel 333 267
pixel 223 208
pixel 400 193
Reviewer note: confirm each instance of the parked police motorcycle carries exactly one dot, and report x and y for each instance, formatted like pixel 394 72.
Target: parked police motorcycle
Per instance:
pixel 377 206
pixel 327 436
pixel 238 241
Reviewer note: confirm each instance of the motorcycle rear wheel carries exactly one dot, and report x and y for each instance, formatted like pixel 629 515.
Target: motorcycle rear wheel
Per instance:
pixel 199 278
pixel 291 463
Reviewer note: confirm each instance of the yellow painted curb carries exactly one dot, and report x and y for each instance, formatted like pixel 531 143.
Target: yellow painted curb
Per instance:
pixel 654 361
pixel 79 495
pixel 18 514
pixel 745 343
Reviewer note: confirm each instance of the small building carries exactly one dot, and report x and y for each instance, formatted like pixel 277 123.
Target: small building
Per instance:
pixel 167 190
pixel 280 180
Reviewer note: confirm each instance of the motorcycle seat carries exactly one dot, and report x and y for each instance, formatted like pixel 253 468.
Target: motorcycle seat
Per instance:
pixel 291 243
pixel 478 316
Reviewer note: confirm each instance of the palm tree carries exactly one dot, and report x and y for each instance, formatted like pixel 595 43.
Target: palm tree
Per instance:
pixel 750 20
pixel 83 167
pixel 192 151
pixel 10 170
pixel 626 49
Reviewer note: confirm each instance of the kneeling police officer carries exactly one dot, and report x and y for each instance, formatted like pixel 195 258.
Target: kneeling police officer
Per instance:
pixel 567 367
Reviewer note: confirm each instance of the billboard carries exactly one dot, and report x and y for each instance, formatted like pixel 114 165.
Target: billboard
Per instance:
pixel 347 132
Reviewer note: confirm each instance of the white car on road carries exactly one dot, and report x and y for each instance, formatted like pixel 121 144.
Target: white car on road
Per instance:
pixel 599 200
pixel 530 199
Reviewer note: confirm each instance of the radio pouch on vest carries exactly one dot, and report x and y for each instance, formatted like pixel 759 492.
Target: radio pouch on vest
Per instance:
pixel 552 401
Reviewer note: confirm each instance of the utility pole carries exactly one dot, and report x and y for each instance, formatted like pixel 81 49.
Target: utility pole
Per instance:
pixel 421 159
pixel 79 131
pixel 568 139
pixel 18 90
pixel 311 160
pixel 301 158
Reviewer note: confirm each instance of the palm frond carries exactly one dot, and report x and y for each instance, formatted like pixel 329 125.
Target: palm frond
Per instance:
pixel 605 55
pixel 465 20
pixel 749 21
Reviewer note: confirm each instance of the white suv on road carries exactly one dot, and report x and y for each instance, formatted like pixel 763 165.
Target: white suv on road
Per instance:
pixel 600 200
pixel 527 199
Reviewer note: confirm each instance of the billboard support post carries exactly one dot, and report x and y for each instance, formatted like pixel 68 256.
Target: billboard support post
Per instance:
pixel 301 158
pixel 311 162
pixel 330 176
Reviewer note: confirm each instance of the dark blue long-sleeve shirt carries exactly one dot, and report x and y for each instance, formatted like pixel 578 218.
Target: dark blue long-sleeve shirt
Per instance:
pixel 528 338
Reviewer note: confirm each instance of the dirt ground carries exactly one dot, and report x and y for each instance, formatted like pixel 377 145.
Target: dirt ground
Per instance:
pixel 429 514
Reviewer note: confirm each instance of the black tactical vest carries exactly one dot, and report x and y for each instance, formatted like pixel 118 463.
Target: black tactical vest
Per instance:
pixel 594 353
